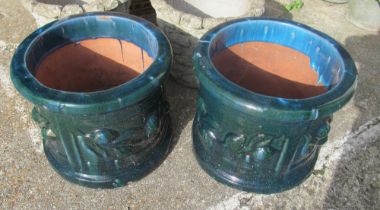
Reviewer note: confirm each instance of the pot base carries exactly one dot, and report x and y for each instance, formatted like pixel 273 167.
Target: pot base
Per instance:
pixel 219 172
pixel 123 176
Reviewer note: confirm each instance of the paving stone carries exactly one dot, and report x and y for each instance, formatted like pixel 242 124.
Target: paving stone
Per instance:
pixel 71 9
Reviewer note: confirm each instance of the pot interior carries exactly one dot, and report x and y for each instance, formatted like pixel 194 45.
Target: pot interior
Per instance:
pixel 92 65
pixel 280 62
pixel 91 53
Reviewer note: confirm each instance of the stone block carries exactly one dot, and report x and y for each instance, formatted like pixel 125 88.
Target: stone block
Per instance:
pixel 71 9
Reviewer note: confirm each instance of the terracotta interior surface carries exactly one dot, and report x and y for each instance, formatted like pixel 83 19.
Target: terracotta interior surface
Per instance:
pixel 269 69
pixel 92 65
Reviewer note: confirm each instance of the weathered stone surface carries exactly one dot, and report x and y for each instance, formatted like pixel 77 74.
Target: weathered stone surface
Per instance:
pixel 284 2
pixel 109 4
pixel 175 18
pixel 93 2
pixel 93 7
pixel 214 8
pixel 210 22
pixel 191 21
pixel 180 39
pixel 71 9
pixel 47 10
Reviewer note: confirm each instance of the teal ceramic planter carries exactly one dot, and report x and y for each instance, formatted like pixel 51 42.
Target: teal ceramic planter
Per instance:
pixel 257 142
pixel 106 138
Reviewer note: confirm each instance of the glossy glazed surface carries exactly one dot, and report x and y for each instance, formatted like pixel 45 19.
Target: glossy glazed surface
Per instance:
pixel 257 142
pixel 94 64
pixel 106 138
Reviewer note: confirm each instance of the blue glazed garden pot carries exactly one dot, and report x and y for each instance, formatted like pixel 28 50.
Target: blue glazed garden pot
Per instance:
pixel 257 142
pixel 105 138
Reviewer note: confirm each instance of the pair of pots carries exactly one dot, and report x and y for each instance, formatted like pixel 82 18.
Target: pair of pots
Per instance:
pixel 254 142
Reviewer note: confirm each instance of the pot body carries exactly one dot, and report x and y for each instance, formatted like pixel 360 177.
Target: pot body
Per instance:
pixel 255 153
pixel 364 14
pixel 106 150
pixel 107 138
pixel 262 143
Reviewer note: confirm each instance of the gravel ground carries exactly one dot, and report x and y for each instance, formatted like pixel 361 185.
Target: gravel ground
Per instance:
pixel 346 175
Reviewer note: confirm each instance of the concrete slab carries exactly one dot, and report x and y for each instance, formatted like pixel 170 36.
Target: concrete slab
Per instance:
pixel 347 174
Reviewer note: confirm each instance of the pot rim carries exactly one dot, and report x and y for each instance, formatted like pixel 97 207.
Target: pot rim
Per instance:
pixel 274 107
pixel 128 93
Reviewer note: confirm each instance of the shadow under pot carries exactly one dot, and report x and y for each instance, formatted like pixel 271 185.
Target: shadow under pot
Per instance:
pixel 268 89
pixel 96 84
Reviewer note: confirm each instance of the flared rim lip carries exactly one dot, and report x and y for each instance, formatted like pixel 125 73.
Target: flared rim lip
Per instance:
pixel 313 107
pixel 104 100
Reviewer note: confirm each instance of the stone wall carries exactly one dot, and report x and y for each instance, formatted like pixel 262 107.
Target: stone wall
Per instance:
pixel 45 11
